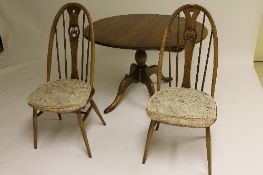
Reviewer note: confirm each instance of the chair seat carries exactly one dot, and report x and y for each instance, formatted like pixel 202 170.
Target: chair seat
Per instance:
pixel 60 96
pixel 182 107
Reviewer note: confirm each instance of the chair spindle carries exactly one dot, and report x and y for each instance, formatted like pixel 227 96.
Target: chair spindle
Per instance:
pixel 169 52
pixel 59 71
pixel 200 52
pixel 177 48
pixel 82 49
pixel 207 58
pixel 65 46
pixel 87 65
pixel 170 69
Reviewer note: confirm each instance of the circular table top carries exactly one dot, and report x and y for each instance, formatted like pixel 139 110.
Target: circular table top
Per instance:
pixel 139 31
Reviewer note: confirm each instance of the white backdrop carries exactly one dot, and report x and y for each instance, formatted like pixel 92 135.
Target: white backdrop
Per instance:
pixel 117 148
pixel 259 47
pixel 29 21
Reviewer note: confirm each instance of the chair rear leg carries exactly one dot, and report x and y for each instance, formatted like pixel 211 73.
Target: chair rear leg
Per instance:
pixel 208 147
pixel 148 140
pixel 59 116
pixel 94 106
pixel 87 113
pixel 84 134
pixel 35 127
pixel 157 126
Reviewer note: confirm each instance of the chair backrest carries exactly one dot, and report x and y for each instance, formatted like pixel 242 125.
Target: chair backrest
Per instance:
pixel 72 50
pixel 193 24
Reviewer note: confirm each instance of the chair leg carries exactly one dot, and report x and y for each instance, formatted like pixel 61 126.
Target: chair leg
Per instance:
pixel 148 140
pixel 35 127
pixel 94 106
pixel 59 116
pixel 157 125
pixel 208 147
pixel 87 113
pixel 84 134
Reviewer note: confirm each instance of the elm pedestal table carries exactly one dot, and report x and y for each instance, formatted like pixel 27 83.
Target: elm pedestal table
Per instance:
pixel 138 32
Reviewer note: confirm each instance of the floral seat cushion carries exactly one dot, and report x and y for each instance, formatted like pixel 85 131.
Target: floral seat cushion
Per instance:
pixel 60 96
pixel 182 107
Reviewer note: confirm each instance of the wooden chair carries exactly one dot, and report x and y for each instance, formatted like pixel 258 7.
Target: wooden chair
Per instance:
pixel 71 91
pixel 188 105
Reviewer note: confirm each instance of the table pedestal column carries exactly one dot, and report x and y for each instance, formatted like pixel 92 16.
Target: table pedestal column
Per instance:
pixel 139 72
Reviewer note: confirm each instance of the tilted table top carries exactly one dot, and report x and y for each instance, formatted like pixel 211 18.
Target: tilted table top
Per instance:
pixel 139 31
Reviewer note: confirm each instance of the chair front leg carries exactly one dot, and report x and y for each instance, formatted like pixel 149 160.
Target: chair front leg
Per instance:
pixel 83 132
pixel 148 140
pixel 209 153
pixel 35 127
